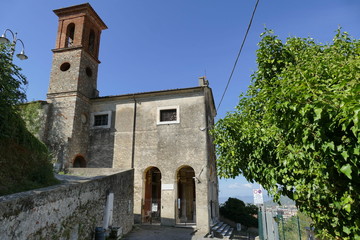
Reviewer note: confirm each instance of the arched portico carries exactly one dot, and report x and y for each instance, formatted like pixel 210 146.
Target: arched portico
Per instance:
pixel 186 197
pixel 151 205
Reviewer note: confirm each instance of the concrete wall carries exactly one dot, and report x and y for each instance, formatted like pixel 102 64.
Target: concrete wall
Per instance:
pixel 67 211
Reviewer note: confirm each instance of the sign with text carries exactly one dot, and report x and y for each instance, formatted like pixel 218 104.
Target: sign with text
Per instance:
pixel 258 196
pixel 167 187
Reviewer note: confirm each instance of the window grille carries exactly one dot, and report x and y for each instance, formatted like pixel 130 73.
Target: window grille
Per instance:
pixel 168 115
pixel 101 120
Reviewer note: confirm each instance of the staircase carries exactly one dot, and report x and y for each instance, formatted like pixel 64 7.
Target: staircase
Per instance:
pixel 221 230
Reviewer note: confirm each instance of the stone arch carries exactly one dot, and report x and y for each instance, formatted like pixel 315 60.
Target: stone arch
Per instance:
pixel 79 162
pixel 186 195
pixel 70 35
pixel 151 204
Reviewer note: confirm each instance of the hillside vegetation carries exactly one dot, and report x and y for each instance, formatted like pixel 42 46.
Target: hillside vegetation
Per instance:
pixel 24 160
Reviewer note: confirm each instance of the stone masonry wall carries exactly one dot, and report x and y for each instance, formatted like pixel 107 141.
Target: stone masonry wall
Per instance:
pixel 68 211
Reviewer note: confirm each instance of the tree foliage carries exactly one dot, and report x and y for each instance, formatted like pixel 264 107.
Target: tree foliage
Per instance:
pixel 239 212
pixel 296 130
pixel 24 160
pixel 12 92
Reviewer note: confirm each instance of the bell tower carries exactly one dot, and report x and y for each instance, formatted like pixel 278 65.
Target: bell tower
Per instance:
pixel 75 59
pixel 73 82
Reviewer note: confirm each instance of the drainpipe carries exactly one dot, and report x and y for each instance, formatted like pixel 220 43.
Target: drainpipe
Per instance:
pixel 133 138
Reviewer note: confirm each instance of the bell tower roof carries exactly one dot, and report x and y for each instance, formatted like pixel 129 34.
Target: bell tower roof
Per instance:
pixel 79 27
pixel 80 10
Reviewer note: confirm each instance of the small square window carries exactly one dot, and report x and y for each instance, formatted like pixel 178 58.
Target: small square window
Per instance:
pixel 168 115
pixel 101 119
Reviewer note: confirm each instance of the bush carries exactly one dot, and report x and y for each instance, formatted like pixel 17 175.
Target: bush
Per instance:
pixel 239 212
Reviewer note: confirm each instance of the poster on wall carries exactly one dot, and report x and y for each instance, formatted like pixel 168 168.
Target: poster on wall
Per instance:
pixel 154 207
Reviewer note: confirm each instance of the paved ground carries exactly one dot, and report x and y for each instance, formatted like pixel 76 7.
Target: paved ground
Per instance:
pixel 156 232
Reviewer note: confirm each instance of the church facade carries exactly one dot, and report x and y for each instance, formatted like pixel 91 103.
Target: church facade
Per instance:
pixel 162 135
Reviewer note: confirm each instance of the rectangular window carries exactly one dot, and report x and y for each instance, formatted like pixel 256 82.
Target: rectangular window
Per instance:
pixel 168 115
pixel 101 119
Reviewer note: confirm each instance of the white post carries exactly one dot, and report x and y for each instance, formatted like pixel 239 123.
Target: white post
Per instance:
pixel 108 211
pixel 264 222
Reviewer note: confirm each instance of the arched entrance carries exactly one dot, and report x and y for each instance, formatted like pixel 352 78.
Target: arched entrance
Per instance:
pixel 186 198
pixel 79 162
pixel 152 201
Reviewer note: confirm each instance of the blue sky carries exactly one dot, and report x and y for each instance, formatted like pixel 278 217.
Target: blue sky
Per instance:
pixel 167 44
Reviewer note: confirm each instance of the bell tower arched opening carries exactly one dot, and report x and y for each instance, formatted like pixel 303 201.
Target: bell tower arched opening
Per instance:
pixel 186 197
pixel 70 32
pixel 92 41
pixel 152 201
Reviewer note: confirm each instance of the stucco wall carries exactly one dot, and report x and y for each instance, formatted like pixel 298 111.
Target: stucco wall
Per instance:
pixel 68 211
pixel 167 147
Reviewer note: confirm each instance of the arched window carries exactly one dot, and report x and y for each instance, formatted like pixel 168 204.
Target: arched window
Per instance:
pixel 92 41
pixel 79 162
pixel 70 32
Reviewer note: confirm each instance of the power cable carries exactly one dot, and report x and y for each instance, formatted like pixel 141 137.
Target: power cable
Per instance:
pixel 237 58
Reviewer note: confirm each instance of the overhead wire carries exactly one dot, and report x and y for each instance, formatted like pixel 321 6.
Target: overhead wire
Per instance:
pixel 238 55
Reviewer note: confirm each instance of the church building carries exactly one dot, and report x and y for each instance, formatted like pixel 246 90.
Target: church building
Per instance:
pixel 163 135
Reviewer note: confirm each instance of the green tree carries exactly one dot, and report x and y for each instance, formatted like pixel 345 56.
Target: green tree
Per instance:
pixel 12 92
pixel 239 212
pixel 296 130
pixel 24 160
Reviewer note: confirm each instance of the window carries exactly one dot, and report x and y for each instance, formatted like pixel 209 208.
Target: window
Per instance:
pixel 65 66
pixel 70 35
pixel 88 71
pixel 101 119
pixel 168 115
pixel 92 41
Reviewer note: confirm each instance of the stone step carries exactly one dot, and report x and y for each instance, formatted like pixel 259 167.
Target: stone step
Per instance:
pixel 217 226
pixel 229 233
pixel 221 230
pixel 224 230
